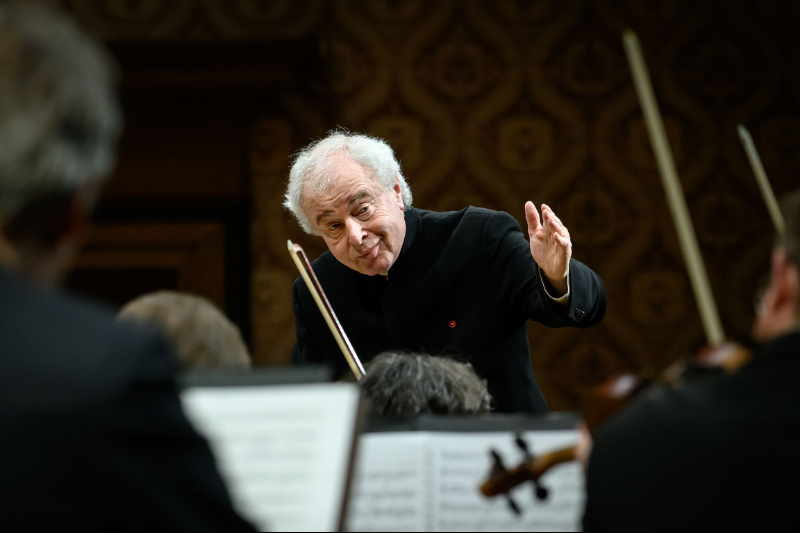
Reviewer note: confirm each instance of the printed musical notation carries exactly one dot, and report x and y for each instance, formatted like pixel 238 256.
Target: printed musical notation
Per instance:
pixel 283 451
pixel 428 481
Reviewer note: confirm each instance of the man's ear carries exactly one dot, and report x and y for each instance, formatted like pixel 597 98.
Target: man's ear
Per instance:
pixel 793 286
pixel 398 192
pixel 784 281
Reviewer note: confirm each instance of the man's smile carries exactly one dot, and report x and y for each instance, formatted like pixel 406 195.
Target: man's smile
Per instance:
pixel 371 252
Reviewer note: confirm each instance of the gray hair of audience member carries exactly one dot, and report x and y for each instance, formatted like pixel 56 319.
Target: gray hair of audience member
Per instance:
pixel 59 117
pixel 315 168
pixel 790 239
pixel 401 385
pixel 200 334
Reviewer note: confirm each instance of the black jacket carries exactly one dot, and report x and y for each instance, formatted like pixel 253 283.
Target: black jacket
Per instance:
pixel 465 282
pixel 721 454
pixel 92 435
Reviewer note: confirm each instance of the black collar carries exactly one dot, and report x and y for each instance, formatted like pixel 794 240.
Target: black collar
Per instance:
pixel 783 348
pixel 406 256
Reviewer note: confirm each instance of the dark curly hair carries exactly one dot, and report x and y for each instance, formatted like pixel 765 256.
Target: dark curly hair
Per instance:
pixel 400 385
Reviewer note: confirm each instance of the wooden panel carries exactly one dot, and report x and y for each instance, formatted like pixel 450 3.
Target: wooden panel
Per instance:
pixel 122 261
pixel 170 152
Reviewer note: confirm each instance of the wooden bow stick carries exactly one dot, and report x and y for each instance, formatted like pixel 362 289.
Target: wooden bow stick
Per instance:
pixel 761 178
pixel 675 198
pixel 304 266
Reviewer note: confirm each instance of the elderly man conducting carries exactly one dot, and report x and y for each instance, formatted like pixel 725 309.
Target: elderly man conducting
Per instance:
pixel 406 278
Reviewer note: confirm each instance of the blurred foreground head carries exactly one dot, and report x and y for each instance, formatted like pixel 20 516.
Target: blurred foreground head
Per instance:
pixel 779 308
pixel 59 125
pixel 201 335
pixel 401 385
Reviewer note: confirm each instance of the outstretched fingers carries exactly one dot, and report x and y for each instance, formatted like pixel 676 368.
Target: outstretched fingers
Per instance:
pixel 551 222
pixel 563 241
pixel 532 216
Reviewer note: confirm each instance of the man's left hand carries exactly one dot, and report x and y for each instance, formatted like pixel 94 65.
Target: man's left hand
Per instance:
pixel 551 246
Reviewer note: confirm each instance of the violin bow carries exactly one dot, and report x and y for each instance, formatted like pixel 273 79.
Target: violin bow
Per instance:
pixel 672 186
pixel 307 273
pixel 761 178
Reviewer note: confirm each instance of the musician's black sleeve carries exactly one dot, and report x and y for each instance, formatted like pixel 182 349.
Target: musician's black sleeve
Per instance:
pixel 304 349
pixel 514 279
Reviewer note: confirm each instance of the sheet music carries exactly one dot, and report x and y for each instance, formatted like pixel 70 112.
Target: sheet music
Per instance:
pixel 388 490
pixel 462 461
pixel 283 450
pixel 438 475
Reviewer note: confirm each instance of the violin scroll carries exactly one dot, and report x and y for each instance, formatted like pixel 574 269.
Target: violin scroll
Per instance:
pixel 532 468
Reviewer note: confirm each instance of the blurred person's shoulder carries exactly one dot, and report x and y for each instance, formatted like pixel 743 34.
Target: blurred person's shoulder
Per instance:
pixel 68 348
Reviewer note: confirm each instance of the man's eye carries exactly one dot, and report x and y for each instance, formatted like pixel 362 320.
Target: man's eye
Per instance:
pixel 334 227
pixel 363 210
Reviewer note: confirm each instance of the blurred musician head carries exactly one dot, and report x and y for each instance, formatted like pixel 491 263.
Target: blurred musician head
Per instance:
pixel 201 335
pixel 349 190
pixel 400 385
pixel 59 124
pixel 778 309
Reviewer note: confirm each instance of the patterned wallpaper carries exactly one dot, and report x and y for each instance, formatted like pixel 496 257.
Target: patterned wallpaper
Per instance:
pixel 495 102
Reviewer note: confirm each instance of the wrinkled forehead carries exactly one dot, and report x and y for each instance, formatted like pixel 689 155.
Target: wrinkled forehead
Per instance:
pixel 336 181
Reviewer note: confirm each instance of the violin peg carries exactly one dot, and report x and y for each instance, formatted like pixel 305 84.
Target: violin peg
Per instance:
pixel 513 505
pixel 498 461
pixel 522 445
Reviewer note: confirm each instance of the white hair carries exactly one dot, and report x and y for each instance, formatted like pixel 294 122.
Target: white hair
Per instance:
pixel 59 119
pixel 313 170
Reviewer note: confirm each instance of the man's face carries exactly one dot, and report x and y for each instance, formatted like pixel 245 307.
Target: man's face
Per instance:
pixel 361 223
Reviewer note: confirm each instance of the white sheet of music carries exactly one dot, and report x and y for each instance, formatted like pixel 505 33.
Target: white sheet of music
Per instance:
pixel 387 489
pixel 449 469
pixel 283 450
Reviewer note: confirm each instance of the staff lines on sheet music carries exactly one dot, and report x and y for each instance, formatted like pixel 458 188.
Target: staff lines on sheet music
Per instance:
pixel 266 475
pixel 506 524
pixel 263 440
pixel 387 476
pixel 300 417
pixel 279 501
pixel 389 511
pixel 456 489
pixel 460 456
pixel 466 509
pixel 389 494
pixel 288 456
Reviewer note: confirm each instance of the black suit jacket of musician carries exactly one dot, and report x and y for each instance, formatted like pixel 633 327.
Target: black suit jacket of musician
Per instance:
pixel 720 454
pixel 464 282
pixel 93 435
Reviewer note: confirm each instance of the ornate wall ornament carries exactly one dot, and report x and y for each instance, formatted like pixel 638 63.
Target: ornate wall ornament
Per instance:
pixel 121 20
pixel 405 135
pixel 525 143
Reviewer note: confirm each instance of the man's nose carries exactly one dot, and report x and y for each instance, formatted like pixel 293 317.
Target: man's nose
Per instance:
pixel 355 232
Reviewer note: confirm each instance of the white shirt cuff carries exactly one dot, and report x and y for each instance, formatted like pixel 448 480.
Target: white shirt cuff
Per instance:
pixel 561 300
